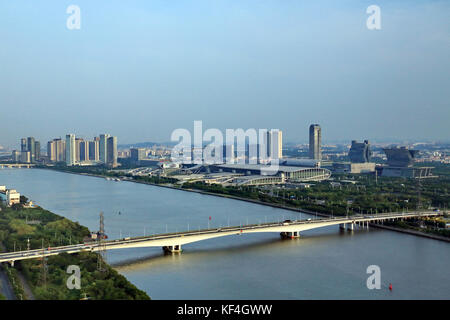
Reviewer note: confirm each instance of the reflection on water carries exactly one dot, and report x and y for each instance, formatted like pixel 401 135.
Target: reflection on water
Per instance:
pixel 324 263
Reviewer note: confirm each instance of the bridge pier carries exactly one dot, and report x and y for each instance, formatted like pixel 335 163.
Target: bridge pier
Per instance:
pixel 290 235
pixel 351 226
pixel 11 263
pixel 343 226
pixel 173 249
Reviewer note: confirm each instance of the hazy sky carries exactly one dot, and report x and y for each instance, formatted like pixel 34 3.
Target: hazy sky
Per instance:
pixel 140 69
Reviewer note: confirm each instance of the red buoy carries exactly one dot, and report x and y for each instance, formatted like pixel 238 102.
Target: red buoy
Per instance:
pixel 390 286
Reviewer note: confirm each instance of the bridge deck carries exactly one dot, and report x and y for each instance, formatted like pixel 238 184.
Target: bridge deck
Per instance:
pixel 180 238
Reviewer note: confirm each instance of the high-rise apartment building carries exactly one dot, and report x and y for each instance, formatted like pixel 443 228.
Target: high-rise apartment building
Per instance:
pixel 23 145
pixel 84 150
pixel 315 141
pixel 31 146
pixel 275 144
pixel 111 159
pixel 70 149
pixel 103 148
pixel 94 149
pixel 56 150
pixel 51 151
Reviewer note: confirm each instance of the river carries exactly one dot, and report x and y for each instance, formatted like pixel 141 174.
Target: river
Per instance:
pixel 324 263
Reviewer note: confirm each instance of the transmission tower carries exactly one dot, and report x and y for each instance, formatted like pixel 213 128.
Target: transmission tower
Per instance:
pixel 101 254
pixel 44 267
pixel 419 187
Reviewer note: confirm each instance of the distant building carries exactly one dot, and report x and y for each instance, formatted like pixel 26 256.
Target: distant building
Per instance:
pixel 228 153
pixel 103 148
pixel 23 145
pixel 94 150
pixel 315 141
pixel 137 154
pixel 70 150
pixel 16 156
pixel 400 164
pixel 31 146
pixel 84 150
pixel 356 168
pixel 275 144
pixel 12 197
pixel 360 152
pixel 37 151
pixel 400 157
pixel 112 152
pixel 25 157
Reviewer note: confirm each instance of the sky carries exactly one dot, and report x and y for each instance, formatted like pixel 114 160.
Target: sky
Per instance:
pixel 141 69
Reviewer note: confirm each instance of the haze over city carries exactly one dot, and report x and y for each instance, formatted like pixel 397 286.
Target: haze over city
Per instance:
pixel 143 69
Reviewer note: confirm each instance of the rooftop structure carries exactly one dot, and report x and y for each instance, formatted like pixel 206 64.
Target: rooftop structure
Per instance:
pixel 289 172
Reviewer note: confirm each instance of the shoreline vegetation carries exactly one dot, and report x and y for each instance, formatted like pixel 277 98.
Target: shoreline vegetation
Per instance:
pixel 386 197
pixel 48 279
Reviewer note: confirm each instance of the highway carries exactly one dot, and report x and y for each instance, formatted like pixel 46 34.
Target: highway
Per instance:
pixel 173 241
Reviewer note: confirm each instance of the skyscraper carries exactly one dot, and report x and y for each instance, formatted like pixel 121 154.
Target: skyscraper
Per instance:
pixel 84 150
pixel 23 145
pixel 103 148
pixel 94 150
pixel 315 141
pixel 31 146
pixel 70 149
pixel 51 151
pixel 275 144
pixel 112 151
pixel 37 151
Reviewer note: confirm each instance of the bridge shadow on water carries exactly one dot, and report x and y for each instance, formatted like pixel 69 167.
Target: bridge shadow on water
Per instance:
pixel 236 245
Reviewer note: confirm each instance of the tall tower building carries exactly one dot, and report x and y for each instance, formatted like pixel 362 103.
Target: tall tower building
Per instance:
pixel 315 141
pixel 275 144
pixel 37 150
pixel 60 150
pixel 112 151
pixel 31 144
pixel 103 148
pixel 78 142
pixel 84 150
pixel 51 151
pixel 23 145
pixel 94 150
pixel 70 149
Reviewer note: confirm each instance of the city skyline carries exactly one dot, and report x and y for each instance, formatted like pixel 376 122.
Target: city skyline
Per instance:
pixel 240 66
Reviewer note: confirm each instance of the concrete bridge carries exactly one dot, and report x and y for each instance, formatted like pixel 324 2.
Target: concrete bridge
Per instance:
pixel 16 165
pixel 172 242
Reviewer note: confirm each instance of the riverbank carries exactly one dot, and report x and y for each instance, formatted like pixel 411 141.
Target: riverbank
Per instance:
pixel 259 202
pixel 47 280
pixel 409 231
pixel 275 205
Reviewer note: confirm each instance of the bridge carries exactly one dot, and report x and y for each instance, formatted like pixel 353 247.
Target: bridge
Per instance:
pixel 172 242
pixel 16 165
